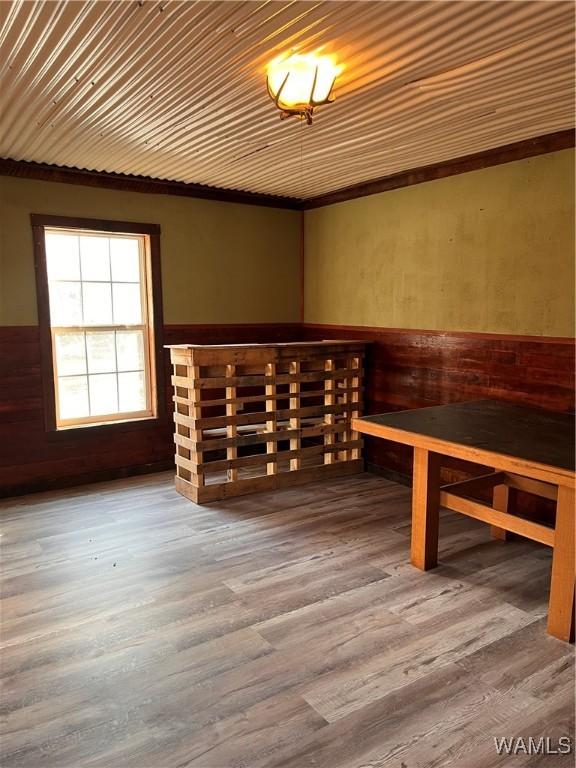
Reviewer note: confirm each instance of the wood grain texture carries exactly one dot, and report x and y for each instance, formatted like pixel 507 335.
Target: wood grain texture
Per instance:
pixel 405 369
pixel 500 501
pixel 285 629
pixel 561 615
pixel 264 373
pixel 33 459
pixel 500 435
pixel 425 509
pixel 418 368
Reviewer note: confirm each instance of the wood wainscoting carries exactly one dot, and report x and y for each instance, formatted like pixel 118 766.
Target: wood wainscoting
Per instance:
pixel 405 369
pixel 413 369
pixel 32 459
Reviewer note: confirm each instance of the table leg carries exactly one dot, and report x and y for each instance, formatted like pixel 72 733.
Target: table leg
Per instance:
pixel 500 499
pixel 561 605
pixel 425 509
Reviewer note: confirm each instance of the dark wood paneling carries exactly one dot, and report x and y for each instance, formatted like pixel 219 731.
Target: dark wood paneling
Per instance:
pixel 539 145
pixel 405 369
pixel 414 369
pixel 222 333
pixel 32 459
pixel 128 183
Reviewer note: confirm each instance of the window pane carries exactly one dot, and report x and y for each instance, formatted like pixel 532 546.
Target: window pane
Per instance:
pixel 101 353
pixel 95 258
pixel 73 397
pixel 97 303
pixel 127 305
pixel 132 392
pixel 103 394
pixel 70 354
pixel 125 258
pixel 65 304
pixel 62 259
pixel 130 350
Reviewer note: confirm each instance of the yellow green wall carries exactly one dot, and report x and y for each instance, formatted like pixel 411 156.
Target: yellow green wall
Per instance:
pixel 221 262
pixel 487 251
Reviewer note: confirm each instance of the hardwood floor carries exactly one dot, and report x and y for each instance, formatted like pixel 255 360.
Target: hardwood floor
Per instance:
pixel 284 629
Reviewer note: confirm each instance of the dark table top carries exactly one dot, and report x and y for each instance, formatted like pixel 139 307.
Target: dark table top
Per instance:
pixel 524 433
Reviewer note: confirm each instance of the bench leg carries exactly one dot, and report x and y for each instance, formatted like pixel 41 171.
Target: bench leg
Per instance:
pixel 500 499
pixel 561 605
pixel 425 509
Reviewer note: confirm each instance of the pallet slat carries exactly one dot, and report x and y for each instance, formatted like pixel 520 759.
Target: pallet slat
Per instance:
pixel 258 459
pixel 249 485
pixel 261 398
pixel 214 422
pixel 316 430
pixel 260 380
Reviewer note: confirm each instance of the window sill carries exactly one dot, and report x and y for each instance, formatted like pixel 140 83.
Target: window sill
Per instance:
pixel 87 431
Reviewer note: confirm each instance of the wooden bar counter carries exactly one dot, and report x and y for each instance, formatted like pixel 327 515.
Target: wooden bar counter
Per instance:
pixel 253 417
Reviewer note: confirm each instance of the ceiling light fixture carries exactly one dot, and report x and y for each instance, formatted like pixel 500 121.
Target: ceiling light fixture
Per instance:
pixel 297 83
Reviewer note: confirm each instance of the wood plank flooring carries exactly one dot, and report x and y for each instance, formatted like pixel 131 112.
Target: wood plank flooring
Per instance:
pixel 285 630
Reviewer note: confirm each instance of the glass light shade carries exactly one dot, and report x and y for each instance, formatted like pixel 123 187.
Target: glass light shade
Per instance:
pixel 302 81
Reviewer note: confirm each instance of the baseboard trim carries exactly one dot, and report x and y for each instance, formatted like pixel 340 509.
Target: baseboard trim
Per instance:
pixel 389 474
pixel 86 478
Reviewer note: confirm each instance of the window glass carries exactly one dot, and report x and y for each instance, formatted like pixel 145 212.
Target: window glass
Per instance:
pixel 70 354
pixel 101 352
pixel 127 303
pixel 95 258
pixel 130 350
pixel 65 303
pixel 125 259
pixel 97 303
pixel 103 394
pixel 62 257
pixel 73 392
pixel 131 391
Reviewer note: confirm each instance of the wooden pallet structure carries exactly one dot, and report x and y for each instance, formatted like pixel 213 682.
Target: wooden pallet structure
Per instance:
pixel 255 417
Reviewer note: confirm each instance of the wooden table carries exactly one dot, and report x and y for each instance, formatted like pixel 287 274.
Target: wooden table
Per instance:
pixel 528 449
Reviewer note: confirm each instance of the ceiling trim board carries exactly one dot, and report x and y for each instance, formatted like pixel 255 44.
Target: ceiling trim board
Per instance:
pixel 127 183
pixel 520 150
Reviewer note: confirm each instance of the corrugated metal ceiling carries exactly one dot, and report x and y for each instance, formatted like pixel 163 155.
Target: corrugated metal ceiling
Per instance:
pixel 176 90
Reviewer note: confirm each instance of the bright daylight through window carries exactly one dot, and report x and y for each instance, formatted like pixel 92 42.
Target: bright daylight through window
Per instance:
pixel 99 318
